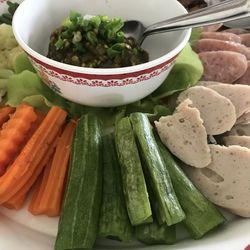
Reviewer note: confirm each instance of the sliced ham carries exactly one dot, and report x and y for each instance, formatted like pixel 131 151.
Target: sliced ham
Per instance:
pixel 238 94
pixel 225 36
pixel 226 180
pixel 223 66
pixel 185 136
pixel 243 141
pixel 204 45
pixel 216 120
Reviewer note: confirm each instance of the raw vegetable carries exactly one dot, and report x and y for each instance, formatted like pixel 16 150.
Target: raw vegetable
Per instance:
pixel 201 215
pixel 7 17
pixel 14 133
pixel 17 200
pixel 5 113
pixel 159 177
pixel 114 221
pixel 134 185
pixel 153 234
pixel 33 152
pixel 95 42
pixel 34 206
pixel 78 225
pixel 51 197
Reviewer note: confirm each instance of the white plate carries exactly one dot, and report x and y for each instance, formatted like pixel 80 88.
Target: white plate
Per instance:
pixel 19 230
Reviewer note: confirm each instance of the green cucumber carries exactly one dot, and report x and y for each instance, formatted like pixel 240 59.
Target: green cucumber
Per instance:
pixel 78 225
pixel 156 171
pixel 134 185
pixel 153 233
pixel 114 222
pixel 201 215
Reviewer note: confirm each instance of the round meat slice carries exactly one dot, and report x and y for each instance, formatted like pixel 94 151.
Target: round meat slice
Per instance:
pixel 185 136
pixel 221 36
pixel 216 120
pixel 226 180
pixel 223 66
pixel 245 39
pixel 204 45
pixel 245 79
pixel 243 141
pixel 236 31
pixel 238 94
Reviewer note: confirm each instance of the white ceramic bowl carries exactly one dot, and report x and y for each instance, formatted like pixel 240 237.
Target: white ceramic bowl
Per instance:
pixel 35 20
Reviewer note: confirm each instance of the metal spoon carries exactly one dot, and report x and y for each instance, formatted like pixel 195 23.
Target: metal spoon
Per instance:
pixel 228 10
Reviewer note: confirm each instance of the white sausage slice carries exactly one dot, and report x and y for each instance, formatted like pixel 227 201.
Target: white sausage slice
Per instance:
pixel 238 94
pixel 216 111
pixel 243 141
pixel 223 66
pixel 226 180
pixel 185 136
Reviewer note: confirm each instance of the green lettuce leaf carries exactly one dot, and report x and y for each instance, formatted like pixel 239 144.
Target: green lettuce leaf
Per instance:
pixel 22 63
pixel 27 86
pixel 195 35
pixel 186 72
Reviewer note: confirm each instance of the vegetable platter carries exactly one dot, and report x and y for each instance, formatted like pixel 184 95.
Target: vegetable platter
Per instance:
pixel 65 163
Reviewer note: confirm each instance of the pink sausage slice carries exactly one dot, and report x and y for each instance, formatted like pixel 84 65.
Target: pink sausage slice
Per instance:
pixel 216 45
pixel 245 79
pixel 223 66
pixel 245 38
pixel 221 36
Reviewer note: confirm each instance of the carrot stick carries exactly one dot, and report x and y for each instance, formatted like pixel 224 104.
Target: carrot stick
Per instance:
pixel 36 197
pixel 15 200
pixel 17 205
pixel 50 199
pixel 5 113
pixel 28 160
pixel 14 133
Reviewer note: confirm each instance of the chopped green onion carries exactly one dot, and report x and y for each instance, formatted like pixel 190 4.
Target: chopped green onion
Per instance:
pixel 96 21
pixel 91 37
pixel 120 36
pixel 77 37
pixel 59 44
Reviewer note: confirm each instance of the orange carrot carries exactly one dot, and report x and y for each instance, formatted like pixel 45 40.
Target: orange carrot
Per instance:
pixel 31 155
pixel 13 134
pixel 15 200
pixel 5 113
pixel 17 205
pixel 51 191
pixel 34 206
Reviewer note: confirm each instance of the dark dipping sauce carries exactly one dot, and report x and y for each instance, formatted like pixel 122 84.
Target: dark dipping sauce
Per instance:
pixel 97 42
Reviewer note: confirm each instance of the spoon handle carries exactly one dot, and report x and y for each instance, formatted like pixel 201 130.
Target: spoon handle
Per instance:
pixel 228 10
